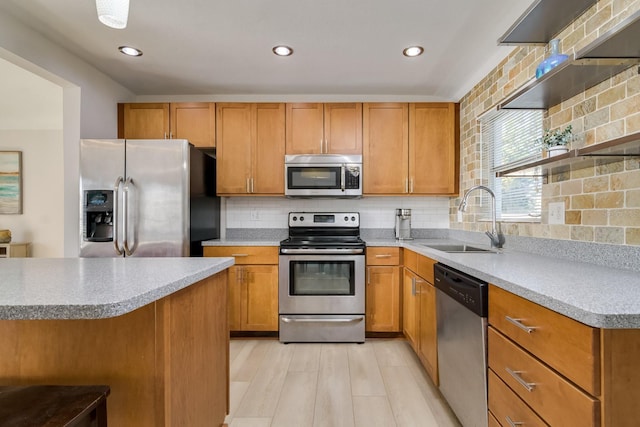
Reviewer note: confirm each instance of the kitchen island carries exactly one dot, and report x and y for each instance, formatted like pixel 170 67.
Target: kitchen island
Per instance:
pixel 153 329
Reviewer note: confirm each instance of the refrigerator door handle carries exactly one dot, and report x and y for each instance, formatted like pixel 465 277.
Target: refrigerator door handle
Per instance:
pixel 116 197
pixel 125 217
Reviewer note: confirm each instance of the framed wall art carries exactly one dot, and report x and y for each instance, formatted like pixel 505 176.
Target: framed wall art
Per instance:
pixel 10 182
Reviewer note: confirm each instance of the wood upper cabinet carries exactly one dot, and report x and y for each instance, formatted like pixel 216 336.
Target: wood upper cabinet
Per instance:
pixel 250 148
pixel 143 121
pixel 385 149
pixel 194 121
pixel 410 148
pixel 383 289
pixel 314 128
pixel 434 148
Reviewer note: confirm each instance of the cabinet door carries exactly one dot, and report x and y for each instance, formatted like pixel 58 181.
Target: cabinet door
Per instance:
pixel 260 298
pixel 428 342
pixel 433 145
pixel 410 306
pixel 385 148
pixel 304 129
pixel 234 282
pixel 194 121
pixel 233 134
pixel 343 128
pixel 145 121
pixel 383 299
pixel 268 170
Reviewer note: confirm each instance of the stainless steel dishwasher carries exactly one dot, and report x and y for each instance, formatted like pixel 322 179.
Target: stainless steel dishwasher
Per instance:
pixel 461 302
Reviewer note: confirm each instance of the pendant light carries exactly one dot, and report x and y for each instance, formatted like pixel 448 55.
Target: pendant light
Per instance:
pixel 113 13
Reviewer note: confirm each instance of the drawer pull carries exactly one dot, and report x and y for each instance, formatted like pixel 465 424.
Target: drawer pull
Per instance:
pixel 239 255
pixel 383 256
pixel 513 423
pixel 517 377
pixel 518 323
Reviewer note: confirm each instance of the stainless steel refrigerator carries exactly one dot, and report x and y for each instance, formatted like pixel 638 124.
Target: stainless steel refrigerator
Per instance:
pixel 146 198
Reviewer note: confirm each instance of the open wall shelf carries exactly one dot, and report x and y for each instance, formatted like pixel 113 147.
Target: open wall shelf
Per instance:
pixel 543 20
pixel 608 55
pixel 626 146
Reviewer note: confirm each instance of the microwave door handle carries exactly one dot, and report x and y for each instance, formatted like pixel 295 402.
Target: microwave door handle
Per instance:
pixel 343 176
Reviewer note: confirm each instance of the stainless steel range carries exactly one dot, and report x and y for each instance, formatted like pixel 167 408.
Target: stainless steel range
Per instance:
pixel 322 278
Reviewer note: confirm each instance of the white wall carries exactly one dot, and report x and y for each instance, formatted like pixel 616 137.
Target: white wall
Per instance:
pixel 89 106
pixel 375 212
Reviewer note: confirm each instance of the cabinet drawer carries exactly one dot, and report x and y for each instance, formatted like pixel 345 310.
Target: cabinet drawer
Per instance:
pixel 554 399
pixel 566 345
pixel 245 254
pixel 506 406
pixel 410 260
pixel 383 256
pixel 425 268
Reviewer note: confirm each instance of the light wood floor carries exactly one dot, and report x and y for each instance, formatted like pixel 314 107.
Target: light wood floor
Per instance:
pixel 378 383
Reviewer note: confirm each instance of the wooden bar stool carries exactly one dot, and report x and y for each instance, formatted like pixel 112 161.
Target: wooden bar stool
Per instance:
pixel 53 406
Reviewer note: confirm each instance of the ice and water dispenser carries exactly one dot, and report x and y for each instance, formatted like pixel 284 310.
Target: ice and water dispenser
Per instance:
pixel 98 216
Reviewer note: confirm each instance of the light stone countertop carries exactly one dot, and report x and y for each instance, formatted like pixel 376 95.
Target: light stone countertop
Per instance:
pixel 598 296
pixel 225 242
pixel 94 288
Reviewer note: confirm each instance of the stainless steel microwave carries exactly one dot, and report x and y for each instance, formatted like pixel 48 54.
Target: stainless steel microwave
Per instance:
pixel 323 175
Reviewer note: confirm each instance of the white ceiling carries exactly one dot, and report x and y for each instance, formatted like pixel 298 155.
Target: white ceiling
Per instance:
pixel 346 47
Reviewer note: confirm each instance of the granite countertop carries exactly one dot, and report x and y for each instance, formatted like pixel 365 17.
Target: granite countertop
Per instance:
pixel 225 242
pixel 94 288
pixel 598 296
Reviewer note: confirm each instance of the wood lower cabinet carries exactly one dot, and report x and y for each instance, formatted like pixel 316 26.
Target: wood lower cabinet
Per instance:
pixel 194 121
pixel 250 149
pixel 419 310
pixel 253 286
pixel 314 128
pixel 565 372
pixel 383 289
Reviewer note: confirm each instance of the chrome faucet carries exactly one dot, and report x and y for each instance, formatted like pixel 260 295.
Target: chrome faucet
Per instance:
pixel 497 239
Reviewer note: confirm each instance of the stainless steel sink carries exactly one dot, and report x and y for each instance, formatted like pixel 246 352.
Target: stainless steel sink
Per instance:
pixel 461 248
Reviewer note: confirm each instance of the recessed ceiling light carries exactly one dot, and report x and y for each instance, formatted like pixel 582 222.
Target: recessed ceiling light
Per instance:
pixel 282 50
pixel 131 51
pixel 412 51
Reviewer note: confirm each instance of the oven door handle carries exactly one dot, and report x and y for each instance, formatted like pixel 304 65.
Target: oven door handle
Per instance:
pixel 290 320
pixel 321 251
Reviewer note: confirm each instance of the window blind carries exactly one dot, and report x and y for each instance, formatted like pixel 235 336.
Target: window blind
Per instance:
pixel 510 138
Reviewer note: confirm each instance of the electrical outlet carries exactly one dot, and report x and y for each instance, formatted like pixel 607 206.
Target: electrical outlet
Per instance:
pixel 255 215
pixel 556 213
pixel 459 216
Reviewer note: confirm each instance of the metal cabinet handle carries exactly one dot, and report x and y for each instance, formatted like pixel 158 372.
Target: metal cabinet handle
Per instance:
pixel 513 423
pixel 383 256
pixel 411 185
pixel 516 375
pixel 116 197
pixel 239 255
pixel 519 324
pixel 247 186
pixel 368 275
pixel 252 185
pixel 406 185
pixel 413 286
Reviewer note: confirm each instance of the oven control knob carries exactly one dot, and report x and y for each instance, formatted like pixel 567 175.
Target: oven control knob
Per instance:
pixel 346 218
pixel 295 218
pixel 301 218
pixel 353 218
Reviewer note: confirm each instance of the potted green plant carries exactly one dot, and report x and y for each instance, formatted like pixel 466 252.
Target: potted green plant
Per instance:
pixel 555 141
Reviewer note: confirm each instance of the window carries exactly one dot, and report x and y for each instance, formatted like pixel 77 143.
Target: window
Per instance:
pixel 509 138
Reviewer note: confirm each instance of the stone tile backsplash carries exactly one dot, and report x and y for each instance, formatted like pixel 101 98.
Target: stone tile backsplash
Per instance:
pixel 602 197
